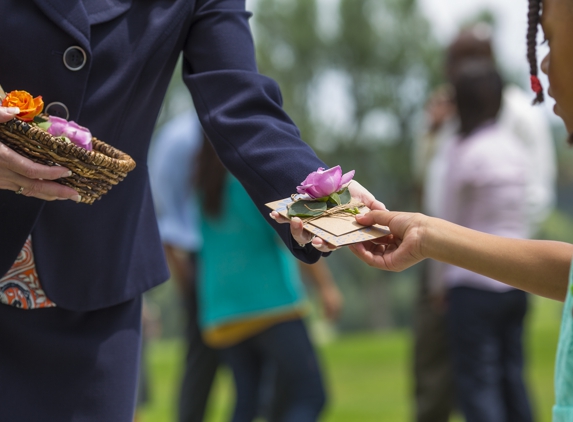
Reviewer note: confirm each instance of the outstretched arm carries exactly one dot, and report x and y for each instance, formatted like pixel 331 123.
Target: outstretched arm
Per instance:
pixel 537 266
pixel 330 297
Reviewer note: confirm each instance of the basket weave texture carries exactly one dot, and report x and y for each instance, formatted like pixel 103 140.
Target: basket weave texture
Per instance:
pixel 94 173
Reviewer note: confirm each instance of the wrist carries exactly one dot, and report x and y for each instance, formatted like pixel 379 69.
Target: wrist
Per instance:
pixel 428 232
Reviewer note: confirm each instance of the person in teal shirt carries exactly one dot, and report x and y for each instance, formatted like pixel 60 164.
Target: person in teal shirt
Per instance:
pixel 252 303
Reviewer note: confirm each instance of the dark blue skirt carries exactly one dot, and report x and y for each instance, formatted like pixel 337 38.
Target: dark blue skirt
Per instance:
pixel 60 365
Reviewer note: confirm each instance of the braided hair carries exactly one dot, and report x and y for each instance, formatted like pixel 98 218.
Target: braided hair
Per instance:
pixel 533 21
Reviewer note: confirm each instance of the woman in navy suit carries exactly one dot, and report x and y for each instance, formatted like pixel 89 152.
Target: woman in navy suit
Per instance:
pixel 72 355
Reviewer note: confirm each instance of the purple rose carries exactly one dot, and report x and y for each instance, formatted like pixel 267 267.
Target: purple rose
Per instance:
pixel 57 125
pixel 324 182
pixel 79 135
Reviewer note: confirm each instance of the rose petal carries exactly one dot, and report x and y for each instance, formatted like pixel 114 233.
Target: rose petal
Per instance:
pixel 310 178
pixel 79 135
pixel 323 182
pixel 346 177
pixel 57 125
pixel 312 191
pixel 326 182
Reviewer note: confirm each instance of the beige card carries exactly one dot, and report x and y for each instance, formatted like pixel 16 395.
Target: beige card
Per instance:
pixel 337 230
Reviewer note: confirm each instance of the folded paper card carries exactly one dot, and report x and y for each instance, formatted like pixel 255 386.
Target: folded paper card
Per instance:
pixel 337 229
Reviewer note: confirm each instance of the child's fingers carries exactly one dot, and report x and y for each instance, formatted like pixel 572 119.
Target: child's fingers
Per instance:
pixel 376 217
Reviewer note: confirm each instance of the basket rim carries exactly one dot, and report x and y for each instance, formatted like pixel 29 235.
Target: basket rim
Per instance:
pixel 88 157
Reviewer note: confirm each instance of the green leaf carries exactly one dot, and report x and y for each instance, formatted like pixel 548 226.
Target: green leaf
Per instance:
pixel 335 198
pixel 321 199
pixel 39 119
pixel 44 125
pixel 339 198
pixel 306 208
pixel 345 196
pixel 353 211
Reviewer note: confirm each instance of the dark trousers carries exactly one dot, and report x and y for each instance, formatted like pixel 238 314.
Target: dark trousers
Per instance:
pixel 433 377
pixel 287 350
pixel 486 344
pixel 200 365
pixel 60 365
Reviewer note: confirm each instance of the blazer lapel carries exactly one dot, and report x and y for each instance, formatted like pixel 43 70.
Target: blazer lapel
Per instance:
pixel 71 16
pixel 105 10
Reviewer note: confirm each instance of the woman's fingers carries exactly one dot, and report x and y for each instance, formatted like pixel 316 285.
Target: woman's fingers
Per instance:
pixel 297 230
pixel 42 189
pixel 8 113
pixel 25 177
pixel 16 163
pixel 279 218
pixel 322 245
pixel 300 235
pixel 360 193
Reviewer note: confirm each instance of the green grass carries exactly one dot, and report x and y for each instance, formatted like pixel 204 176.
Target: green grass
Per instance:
pixel 368 374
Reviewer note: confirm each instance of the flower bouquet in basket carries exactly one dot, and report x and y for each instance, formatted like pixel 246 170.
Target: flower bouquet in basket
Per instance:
pixel 96 166
pixel 327 209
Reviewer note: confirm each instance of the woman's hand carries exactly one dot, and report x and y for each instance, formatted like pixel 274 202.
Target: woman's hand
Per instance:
pixel 397 251
pixel 23 176
pixel 357 191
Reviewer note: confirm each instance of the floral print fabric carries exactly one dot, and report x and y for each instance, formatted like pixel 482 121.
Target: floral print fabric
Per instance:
pixel 20 287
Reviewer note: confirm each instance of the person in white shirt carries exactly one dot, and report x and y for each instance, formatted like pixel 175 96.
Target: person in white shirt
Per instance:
pixel 434 388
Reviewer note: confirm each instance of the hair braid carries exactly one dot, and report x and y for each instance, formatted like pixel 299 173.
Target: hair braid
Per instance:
pixel 533 20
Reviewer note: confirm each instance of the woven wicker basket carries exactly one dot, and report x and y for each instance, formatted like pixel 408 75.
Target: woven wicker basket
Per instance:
pixel 94 173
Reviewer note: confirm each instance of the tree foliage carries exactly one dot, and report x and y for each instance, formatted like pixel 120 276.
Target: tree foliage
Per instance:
pixel 354 75
pixel 355 86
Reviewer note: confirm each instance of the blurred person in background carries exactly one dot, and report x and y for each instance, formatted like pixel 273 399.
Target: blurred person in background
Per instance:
pixel 251 305
pixel 172 161
pixel 432 366
pixel 485 182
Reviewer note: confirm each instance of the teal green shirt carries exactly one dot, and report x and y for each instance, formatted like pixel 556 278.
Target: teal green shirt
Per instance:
pixel 245 269
pixel 563 409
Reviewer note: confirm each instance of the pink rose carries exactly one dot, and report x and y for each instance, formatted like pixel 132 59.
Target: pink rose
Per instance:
pixel 322 182
pixel 77 134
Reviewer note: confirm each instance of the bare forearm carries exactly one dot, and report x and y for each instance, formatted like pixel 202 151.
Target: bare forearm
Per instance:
pixel 537 266
pixel 318 273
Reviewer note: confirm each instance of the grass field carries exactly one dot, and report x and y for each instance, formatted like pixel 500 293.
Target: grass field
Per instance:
pixel 368 374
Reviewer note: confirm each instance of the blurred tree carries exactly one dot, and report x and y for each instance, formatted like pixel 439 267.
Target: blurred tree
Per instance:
pixel 354 76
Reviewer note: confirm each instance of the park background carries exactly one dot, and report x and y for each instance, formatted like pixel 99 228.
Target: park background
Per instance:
pixel 354 75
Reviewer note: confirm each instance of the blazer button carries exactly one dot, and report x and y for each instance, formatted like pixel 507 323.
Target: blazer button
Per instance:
pixel 57 109
pixel 75 58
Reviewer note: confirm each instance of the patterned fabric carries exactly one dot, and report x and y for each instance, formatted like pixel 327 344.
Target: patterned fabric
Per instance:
pixel 563 409
pixel 20 287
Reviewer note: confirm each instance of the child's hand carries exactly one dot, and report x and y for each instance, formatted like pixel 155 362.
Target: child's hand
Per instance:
pixel 395 252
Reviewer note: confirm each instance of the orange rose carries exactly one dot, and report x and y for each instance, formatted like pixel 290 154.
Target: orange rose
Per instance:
pixel 29 106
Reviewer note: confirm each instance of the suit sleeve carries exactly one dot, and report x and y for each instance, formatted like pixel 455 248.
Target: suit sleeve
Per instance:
pixel 241 110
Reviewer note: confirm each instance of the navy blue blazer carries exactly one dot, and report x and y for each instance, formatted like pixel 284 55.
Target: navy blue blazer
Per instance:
pixel 93 256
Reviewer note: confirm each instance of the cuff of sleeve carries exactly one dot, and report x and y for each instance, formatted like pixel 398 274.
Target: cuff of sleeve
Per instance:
pixel 307 253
